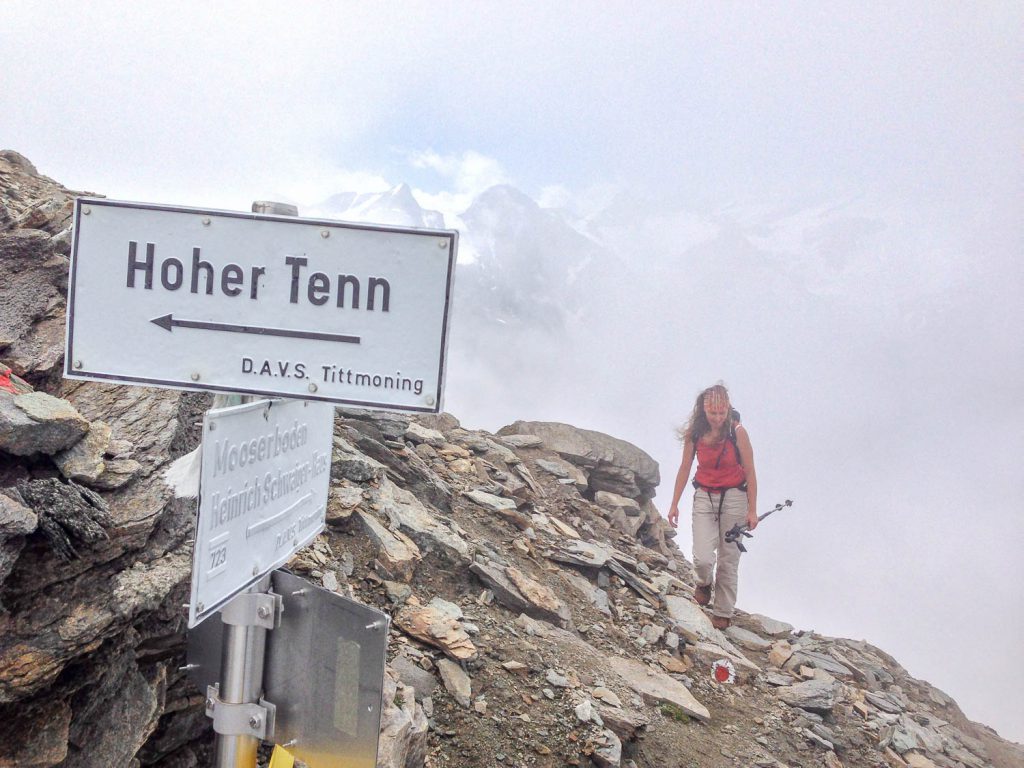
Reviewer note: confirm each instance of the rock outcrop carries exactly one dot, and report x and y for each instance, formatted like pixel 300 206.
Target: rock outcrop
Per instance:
pixel 542 613
pixel 94 551
pixel 612 465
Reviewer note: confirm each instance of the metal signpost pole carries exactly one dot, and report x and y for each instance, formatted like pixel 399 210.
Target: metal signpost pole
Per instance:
pixel 241 682
pixel 241 674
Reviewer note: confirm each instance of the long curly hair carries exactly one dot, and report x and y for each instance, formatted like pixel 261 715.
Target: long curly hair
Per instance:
pixel 698 425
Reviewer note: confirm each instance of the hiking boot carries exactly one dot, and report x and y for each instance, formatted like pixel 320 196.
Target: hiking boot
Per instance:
pixel 720 622
pixel 702 595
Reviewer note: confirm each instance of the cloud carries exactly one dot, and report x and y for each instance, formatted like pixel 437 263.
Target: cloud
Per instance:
pixel 462 176
pixel 319 183
pixel 554 196
pixel 470 172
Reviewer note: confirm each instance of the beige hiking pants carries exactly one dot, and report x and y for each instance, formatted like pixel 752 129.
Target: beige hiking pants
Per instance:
pixel 708 536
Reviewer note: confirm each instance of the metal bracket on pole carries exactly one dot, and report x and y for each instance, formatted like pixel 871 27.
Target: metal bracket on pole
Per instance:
pixel 241 716
pixel 254 609
pixel 256 720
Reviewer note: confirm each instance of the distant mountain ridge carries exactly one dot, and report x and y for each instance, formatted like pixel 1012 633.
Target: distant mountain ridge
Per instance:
pixel 531 262
pixel 396 207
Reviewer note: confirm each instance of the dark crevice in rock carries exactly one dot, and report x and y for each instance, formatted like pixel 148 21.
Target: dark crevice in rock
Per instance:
pixel 69 514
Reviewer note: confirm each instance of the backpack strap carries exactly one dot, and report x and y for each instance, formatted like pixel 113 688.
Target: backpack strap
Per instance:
pixel 735 421
pixel 713 489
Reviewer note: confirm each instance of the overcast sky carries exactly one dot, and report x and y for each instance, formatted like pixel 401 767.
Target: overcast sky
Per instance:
pixel 876 355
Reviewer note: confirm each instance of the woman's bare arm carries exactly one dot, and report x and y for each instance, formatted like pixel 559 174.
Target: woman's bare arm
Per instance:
pixel 681 477
pixel 747 457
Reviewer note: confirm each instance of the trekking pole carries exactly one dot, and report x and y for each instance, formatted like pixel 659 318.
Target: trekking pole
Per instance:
pixel 740 530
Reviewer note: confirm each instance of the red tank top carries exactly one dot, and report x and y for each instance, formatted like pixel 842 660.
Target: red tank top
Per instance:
pixel 718 465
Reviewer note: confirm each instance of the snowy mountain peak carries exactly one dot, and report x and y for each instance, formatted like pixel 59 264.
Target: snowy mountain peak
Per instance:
pixel 507 199
pixel 396 207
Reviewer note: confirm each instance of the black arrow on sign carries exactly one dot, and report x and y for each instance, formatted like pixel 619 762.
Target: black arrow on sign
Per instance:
pixel 167 322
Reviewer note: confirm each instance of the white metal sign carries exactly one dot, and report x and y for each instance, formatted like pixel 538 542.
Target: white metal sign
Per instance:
pixel 262 494
pixel 277 305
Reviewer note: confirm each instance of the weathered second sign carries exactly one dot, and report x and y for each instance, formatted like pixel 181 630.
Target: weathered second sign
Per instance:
pixel 262 494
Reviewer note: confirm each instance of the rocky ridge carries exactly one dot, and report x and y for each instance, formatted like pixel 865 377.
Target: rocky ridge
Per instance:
pixel 542 614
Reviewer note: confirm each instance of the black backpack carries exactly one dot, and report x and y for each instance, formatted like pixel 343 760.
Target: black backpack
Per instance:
pixel 734 420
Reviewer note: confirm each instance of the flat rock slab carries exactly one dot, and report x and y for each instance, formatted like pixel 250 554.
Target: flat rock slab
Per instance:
pixel 396 552
pixel 606 697
pixel 708 653
pixel 522 441
pixel 779 653
pixel 767 626
pixel 38 423
pixel 415 519
pixel 84 460
pixel 609 753
pixel 497 452
pixel 541 598
pixel 563 528
pixel 116 473
pixel 456 682
pixel 883 702
pixel 563 470
pixel 818 661
pixel 626 723
pixel 349 463
pixel 777 679
pixel 490 501
pixel 413 675
pixel 905 735
pixel 552 525
pixel 587 448
pixel 582 553
pixel 656 687
pixel 446 607
pixel 435 628
pixel 500 505
pixel 518 592
pixel 814 695
pixel 747 639
pixel 693 624
pixel 15 518
pixel 341 502
pixel 417 433
pixel 691 621
pixel 615 502
pixel 621 521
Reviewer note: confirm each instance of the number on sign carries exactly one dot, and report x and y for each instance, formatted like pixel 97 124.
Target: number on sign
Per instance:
pixel 218 557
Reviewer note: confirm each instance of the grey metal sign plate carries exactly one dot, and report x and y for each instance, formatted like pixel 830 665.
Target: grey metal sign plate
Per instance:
pixel 190 298
pixel 324 672
pixel 262 494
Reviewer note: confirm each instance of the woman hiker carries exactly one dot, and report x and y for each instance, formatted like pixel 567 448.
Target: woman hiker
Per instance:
pixel 725 494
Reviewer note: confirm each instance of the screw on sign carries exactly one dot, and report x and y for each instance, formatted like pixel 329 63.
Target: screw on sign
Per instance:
pixel 722 671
